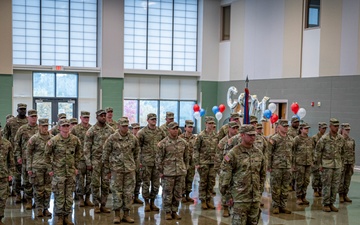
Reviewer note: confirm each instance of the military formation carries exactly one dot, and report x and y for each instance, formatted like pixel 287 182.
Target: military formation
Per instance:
pixel 84 162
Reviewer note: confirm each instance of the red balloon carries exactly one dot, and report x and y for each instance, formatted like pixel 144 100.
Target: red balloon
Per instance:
pixel 221 108
pixel 295 107
pixel 274 117
pixel 196 108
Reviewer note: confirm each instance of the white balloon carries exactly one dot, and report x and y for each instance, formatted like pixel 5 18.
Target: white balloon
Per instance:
pixel 231 103
pixel 301 113
pixel 218 115
pixel 272 107
pixel 197 115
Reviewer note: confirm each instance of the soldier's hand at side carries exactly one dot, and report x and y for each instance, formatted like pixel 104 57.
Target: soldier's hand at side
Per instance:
pixel 270 170
pixel 89 168
pixel 30 172
pixel 161 175
pixel 109 176
pixel 140 166
pixel 76 172
pixel 197 166
pixel 51 173
pixel 321 169
pixel 19 161
pixel 223 190
pixel 10 178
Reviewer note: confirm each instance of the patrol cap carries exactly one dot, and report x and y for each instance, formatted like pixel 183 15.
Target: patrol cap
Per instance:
pixel 73 121
pixel 135 125
pixel 32 112
pixel 189 123
pixel 334 122
pixel 85 114
pixel 234 115
pixel 9 116
pixel 283 123
pixel 43 122
pixel 170 115
pixel 151 116
pixel 125 117
pixel 123 121
pixel 304 125
pixel 64 122
pixel 233 124
pixel 295 119
pixel 259 126
pixel 109 109
pixel 100 111
pixel 172 125
pixel 21 106
pixel 247 129
pixel 209 119
pixel 322 125
pixel 62 116
pixel 345 126
pixel 253 119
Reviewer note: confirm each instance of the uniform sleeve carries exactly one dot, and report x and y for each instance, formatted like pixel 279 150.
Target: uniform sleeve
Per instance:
pixel 29 153
pixel 263 172
pixel 88 142
pixel 221 134
pixel 10 161
pixel 17 144
pixel 49 155
pixel 106 154
pixel 197 147
pixel 318 152
pixel 218 155
pixel 227 167
pixel 136 152
pixel 159 156
pixel 186 155
pixel 272 145
pixel 7 132
pixel 78 152
pixel 295 145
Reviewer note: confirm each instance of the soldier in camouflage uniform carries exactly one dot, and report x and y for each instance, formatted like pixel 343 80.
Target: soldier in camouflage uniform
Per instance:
pixel 190 138
pixel 93 148
pixel 280 159
pixel 135 127
pixel 316 176
pixel 10 129
pixel 83 178
pixel 329 155
pixel 62 155
pixel 302 162
pixel 37 168
pixel 73 122
pixel 20 143
pixel 222 149
pixel 149 137
pixel 244 170
pixel 120 159
pixel 172 160
pixel 169 118
pixel 109 118
pixel 55 130
pixel 293 132
pixel 204 158
pixel 224 130
pixel 348 163
pixel 7 169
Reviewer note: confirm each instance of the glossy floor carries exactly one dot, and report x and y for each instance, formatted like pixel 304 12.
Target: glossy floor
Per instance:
pixel 349 213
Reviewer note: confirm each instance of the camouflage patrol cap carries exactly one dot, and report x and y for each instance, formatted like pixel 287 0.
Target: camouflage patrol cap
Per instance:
pixel 9 116
pixel 283 123
pixel 259 126
pixel 73 121
pixel 32 112
pixel 322 125
pixel 345 126
pixel 123 121
pixel 100 111
pixel 85 114
pixel 209 119
pixel 170 115
pixel 62 116
pixel 125 117
pixel 189 123
pixel 247 129
pixel 295 119
pixel 234 115
pixel 64 122
pixel 109 109
pixel 233 124
pixel 43 122
pixel 135 125
pixel 151 116
pixel 253 119
pixel 304 125
pixel 172 125
pixel 21 106
pixel 334 122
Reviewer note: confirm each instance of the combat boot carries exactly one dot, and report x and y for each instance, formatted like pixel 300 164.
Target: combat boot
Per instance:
pixel 126 218
pixel 316 193
pixel 67 221
pixel 87 201
pixel 153 206
pixel 147 205
pixel 226 211
pixel 60 220
pixel 299 201
pixel 204 205
pixel 326 208
pixel 47 213
pixel 28 204
pixel 81 201
pixel 103 209
pixel 18 198
pixel 275 210
pixel 210 205
pixel 188 199
pixel 305 201
pixel 333 208
pixel 284 210
pixel 168 216
pixel 117 219
pixel 137 200
pixel 341 198
pixel 97 209
pixel 347 199
pixel 40 213
pixel 175 216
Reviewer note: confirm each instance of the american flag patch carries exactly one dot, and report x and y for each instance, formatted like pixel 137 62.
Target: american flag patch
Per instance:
pixel 227 158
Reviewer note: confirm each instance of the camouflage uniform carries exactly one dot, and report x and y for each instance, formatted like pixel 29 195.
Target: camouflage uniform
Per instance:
pixel 40 178
pixel 224 130
pixel 316 174
pixel 164 127
pixel 55 129
pixel 137 174
pixel 189 177
pixel 243 171
pixel 172 160
pixel 112 124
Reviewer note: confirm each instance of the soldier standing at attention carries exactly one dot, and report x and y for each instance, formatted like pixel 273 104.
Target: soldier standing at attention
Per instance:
pixel 20 143
pixel 7 168
pixel 293 132
pixel 10 129
pixel 55 130
pixel 120 159
pixel 302 162
pixel 135 127
pixel 172 161
pixel 93 149
pixel 316 176
pixel 73 122
pixel 329 155
pixel 224 130
pixel 109 118
pixel 204 158
pixel 280 159
pixel 62 155
pixel 348 163
pixel 37 168
pixel 169 118
pixel 83 178
pixel 190 138
pixel 149 137
pixel 244 170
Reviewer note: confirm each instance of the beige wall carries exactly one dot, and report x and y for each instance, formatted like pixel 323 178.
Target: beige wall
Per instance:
pixel 6 37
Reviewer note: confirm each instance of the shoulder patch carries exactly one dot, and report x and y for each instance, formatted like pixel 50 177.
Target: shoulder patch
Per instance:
pixel 227 158
pixel 49 143
pixel 271 141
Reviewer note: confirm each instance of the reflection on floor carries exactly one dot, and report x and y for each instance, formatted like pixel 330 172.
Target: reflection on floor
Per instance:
pixel 193 214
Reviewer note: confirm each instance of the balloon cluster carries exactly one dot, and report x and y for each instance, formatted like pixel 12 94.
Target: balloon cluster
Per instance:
pixel 218 110
pixel 269 113
pixel 299 112
pixel 198 113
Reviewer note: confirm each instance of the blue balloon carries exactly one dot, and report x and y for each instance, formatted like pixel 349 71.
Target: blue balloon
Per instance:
pixel 215 109
pixel 267 114
pixel 202 112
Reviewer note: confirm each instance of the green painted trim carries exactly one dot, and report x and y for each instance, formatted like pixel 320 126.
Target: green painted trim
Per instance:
pixel 112 94
pixel 209 96
pixel 6 84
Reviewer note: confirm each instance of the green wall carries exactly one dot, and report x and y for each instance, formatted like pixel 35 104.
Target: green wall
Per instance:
pixel 6 83
pixel 209 97
pixel 112 94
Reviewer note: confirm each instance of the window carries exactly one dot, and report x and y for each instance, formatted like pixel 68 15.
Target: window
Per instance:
pixel 313 13
pixel 225 28
pixel 160 34
pixel 49 32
